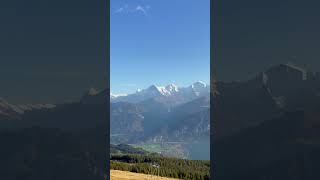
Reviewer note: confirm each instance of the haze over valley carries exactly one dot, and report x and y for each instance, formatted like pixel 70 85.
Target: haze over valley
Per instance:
pixel 168 120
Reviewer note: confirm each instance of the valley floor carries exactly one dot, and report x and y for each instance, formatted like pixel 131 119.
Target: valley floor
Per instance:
pixel 125 175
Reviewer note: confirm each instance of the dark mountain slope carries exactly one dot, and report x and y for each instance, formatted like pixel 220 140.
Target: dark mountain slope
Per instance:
pixel 25 152
pixel 69 138
pixel 281 148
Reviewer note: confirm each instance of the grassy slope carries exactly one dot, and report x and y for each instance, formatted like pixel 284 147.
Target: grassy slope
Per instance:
pixel 125 175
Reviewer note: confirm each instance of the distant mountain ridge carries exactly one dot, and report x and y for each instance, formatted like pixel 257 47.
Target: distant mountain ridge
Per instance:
pixel 182 94
pixel 11 110
pixel 66 137
pixel 261 98
pixel 281 88
pixel 182 114
pixel 268 127
pixel 161 114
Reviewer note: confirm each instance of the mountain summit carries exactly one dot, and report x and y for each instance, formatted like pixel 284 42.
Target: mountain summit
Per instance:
pixel 185 94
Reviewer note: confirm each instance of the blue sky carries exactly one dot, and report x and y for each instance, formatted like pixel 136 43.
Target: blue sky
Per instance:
pixel 159 42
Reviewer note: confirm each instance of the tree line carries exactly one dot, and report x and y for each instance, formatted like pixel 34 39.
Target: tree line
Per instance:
pixel 168 167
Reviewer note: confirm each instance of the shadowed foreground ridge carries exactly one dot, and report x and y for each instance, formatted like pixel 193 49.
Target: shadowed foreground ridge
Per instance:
pixel 37 153
pixel 65 142
pixel 268 127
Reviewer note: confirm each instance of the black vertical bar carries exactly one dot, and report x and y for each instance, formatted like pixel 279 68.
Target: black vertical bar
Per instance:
pixel 108 90
pixel 212 86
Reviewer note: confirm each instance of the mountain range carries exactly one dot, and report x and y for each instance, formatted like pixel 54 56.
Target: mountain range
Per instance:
pixel 268 126
pixel 161 114
pixel 153 115
pixel 241 111
pixel 10 110
pixel 156 114
pixel 178 95
pixel 66 137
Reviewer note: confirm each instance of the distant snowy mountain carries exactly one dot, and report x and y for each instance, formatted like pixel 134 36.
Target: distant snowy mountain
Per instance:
pixel 7 109
pixel 10 110
pixel 115 96
pixel 197 89
pixel 172 91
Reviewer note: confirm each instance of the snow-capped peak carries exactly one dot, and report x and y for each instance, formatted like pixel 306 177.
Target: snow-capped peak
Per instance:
pixel 153 89
pixel 199 84
pixel 117 95
pixel 8 109
pixel 92 92
pixel 172 88
pixel 195 90
pixel 165 91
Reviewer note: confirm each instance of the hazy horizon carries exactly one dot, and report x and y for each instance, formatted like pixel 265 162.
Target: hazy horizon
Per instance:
pixel 181 85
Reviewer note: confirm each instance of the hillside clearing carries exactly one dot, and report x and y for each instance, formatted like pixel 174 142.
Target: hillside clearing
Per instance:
pixel 125 175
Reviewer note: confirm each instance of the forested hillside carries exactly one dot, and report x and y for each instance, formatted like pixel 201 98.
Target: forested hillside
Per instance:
pixel 151 163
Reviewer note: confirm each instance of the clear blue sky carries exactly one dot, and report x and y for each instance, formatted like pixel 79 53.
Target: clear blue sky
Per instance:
pixel 159 42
